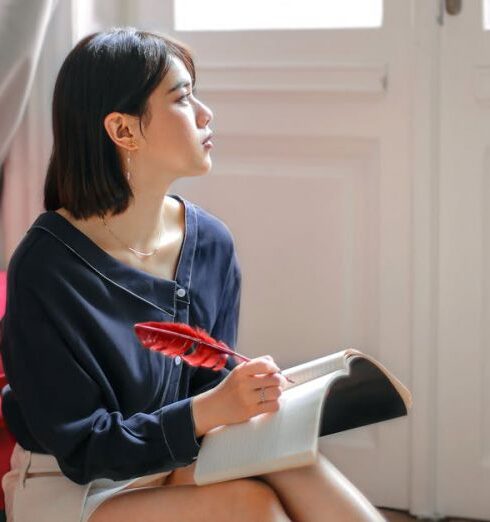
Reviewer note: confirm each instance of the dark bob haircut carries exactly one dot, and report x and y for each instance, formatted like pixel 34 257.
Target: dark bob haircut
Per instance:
pixel 114 70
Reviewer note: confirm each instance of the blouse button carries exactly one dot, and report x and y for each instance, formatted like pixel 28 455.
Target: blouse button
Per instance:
pixel 181 292
pixel 177 360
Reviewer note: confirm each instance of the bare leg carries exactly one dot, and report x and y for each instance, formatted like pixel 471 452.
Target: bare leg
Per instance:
pixel 320 493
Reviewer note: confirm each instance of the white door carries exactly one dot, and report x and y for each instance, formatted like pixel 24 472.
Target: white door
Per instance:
pixel 463 422
pixel 311 172
pixel 351 166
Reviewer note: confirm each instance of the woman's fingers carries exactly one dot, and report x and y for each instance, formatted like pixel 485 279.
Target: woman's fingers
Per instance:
pixel 269 394
pixel 260 365
pixel 271 379
pixel 264 372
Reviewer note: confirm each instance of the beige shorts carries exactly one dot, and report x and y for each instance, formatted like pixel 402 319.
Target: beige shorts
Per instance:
pixel 36 489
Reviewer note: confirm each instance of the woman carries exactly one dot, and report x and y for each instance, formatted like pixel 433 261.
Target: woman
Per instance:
pixel 108 430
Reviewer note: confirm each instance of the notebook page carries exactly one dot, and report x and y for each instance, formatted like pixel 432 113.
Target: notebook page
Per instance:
pixel 268 441
pixel 316 368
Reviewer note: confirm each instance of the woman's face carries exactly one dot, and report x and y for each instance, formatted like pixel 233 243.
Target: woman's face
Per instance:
pixel 172 143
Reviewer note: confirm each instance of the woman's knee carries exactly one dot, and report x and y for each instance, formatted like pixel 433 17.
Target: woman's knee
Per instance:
pixel 256 500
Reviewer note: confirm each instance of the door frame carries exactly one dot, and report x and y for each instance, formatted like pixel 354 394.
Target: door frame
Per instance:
pixel 427 20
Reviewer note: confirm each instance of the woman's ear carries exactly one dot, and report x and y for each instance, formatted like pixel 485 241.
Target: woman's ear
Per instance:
pixel 118 128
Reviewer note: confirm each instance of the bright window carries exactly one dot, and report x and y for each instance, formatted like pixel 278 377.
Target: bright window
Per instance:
pixel 486 15
pixel 227 15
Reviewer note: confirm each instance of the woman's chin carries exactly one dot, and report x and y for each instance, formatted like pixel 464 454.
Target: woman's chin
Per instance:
pixel 207 166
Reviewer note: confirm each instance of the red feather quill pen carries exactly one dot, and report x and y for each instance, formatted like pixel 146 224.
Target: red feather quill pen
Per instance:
pixel 174 339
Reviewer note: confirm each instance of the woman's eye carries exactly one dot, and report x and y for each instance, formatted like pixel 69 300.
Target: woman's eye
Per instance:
pixel 185 97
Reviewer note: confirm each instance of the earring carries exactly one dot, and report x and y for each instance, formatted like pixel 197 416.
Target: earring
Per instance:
pixel 128 174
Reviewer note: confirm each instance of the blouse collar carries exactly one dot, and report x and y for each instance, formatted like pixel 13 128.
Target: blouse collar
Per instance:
pixel 157 291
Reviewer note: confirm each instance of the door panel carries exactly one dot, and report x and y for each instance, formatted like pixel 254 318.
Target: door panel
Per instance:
pixel 311 174
pixel 463 422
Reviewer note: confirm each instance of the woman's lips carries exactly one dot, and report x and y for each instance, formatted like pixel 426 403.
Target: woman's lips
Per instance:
pixel 208 140
pixel 208 144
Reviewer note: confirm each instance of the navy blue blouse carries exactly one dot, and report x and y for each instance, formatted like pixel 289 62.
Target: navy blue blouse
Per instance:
pixel 81 386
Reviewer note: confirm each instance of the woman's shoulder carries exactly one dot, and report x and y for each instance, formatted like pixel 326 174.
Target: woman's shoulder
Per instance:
pixel 212 228
pixel 35 254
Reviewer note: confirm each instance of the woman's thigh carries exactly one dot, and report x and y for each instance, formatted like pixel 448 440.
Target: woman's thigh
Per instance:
pixel 234 500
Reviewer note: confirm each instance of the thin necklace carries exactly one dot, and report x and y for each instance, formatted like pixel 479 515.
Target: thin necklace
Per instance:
pixel 137 252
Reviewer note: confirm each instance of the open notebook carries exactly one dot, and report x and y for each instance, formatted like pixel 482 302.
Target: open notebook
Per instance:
pixel 345 390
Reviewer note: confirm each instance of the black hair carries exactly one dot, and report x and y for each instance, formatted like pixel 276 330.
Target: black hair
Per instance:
pixel 114 70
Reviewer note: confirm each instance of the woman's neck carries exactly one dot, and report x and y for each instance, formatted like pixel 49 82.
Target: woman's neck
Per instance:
pixel 140 226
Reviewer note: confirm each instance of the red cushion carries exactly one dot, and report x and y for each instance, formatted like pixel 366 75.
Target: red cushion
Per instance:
pixel 3 292
pixel 7 441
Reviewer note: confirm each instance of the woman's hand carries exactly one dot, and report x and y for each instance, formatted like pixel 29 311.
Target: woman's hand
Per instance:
pixel 237 398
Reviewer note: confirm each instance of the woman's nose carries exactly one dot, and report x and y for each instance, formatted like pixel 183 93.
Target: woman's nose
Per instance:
pixel 205 115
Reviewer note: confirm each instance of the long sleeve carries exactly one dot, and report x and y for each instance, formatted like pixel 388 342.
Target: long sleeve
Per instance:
pixel 81 386
pixel 61 402
pixel 224 329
